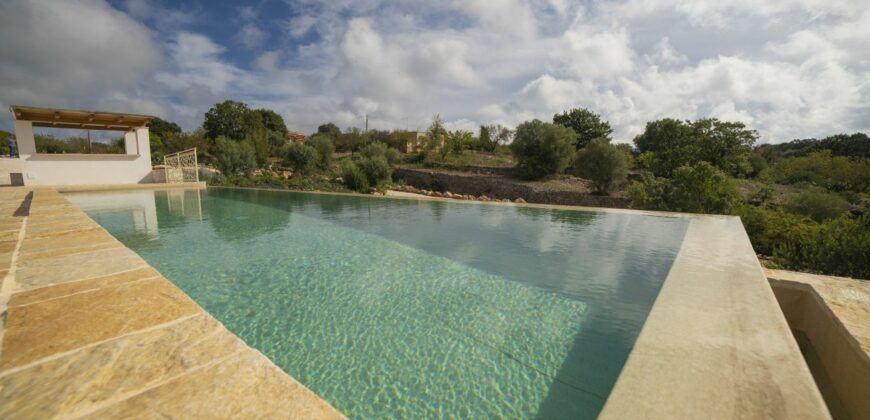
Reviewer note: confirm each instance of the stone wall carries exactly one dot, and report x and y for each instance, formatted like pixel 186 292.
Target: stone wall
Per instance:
pixel 497 186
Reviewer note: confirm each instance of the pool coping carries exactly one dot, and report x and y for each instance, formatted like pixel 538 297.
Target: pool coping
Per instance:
pixel 697 356
pixel 91 330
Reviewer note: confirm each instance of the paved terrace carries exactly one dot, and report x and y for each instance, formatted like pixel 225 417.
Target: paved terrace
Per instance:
pixel 92 331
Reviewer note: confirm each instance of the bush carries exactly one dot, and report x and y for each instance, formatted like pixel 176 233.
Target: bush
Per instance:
pixel 839 246
pixel 836 173
pixel 376 169
pixel 693 189
pixel 233 158
pixel 602 163
pixel 817 204
pixel 324 147
pixel 393 156
pixel 301 157
pixel 542 149
pixel 354 178
pixel 373 149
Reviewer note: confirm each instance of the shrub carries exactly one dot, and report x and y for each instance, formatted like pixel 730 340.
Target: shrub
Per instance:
pixel 376 169
pixel 542 149
pixel 324 147
pixel 354 178
pixel 301 157
pixel 233 158
pixel 693 189
pixel 817 204
pixel 602 163
pixel 702 189
pixel 839 246
pixel 373 149
pixel 836 173
pixel 393 156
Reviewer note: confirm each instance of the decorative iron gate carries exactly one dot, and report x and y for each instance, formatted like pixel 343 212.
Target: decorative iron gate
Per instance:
pixel 181 166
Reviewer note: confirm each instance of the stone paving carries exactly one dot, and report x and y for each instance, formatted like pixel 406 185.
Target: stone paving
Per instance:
pixel 90 330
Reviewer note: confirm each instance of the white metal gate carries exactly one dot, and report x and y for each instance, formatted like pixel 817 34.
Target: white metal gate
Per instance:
pixel 182 166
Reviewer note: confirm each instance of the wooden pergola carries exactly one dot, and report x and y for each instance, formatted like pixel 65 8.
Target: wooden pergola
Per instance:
pixel 79 119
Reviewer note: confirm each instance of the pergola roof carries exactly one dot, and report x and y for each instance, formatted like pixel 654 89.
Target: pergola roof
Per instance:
pixel 71 118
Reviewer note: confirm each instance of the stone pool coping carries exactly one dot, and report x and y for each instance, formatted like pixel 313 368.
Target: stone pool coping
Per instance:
pixel 90 330
pixel 715 344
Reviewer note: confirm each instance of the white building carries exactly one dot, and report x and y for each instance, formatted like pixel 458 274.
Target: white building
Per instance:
pixel 32 168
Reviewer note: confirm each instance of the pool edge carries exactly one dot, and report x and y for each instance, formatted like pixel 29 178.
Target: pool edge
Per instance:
pixel 715 343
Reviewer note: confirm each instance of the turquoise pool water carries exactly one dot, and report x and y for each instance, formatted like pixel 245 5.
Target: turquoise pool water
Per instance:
pixel 411 309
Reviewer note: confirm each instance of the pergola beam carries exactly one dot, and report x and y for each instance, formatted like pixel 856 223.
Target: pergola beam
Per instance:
pixel 69 118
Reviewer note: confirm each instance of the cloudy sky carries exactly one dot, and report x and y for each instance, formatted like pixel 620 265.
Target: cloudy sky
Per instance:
pixel 788 68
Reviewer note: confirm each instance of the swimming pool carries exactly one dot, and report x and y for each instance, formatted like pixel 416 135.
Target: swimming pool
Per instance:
pixel 405 308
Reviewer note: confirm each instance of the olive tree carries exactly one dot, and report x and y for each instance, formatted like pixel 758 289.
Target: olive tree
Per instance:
pixel 542 149
pixel 603 164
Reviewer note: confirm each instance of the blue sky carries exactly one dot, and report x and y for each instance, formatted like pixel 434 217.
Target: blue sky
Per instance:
pixel 788 68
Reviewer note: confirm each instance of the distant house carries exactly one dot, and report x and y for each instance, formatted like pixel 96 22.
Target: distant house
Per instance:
pixel 295 137
pixel 408 141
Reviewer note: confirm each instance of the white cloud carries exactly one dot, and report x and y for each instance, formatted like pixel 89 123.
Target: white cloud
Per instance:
pixel 299 26
pixel 196 62
pixel 267 61
pixel 250 35
pixel 49 58
pixel 665 54
pixel 788 68
pixel 594 53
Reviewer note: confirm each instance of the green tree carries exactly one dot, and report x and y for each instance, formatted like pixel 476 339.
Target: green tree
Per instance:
pixel 257 136
pixel 330 130
pixel 325 148
pixel 303 158
pixel 668 144
pixel 542 149
pixel 161 127
pixel 234 158
pixel 353 140
pixel 272 121
pixel 436 137
pixel 726 145
pixel 227 119
pixel 458 140
pixel 700 188
pixel 586 124
pixel 603 164
pixel 486 138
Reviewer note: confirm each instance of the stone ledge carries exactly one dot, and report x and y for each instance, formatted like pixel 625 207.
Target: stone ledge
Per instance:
pixel 833 313
pixel 715 344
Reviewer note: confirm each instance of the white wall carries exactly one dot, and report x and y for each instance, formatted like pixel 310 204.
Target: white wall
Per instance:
pixel 74 169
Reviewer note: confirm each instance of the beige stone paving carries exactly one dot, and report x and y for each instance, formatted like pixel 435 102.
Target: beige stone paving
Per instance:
pixel 91 330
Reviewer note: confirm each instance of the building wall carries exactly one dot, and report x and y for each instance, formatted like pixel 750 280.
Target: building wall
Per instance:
pixel 134 167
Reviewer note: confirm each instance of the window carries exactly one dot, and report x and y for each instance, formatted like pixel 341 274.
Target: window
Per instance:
pixel 80 141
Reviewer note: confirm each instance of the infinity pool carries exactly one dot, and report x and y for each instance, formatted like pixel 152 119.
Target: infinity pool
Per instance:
pixel 413 309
